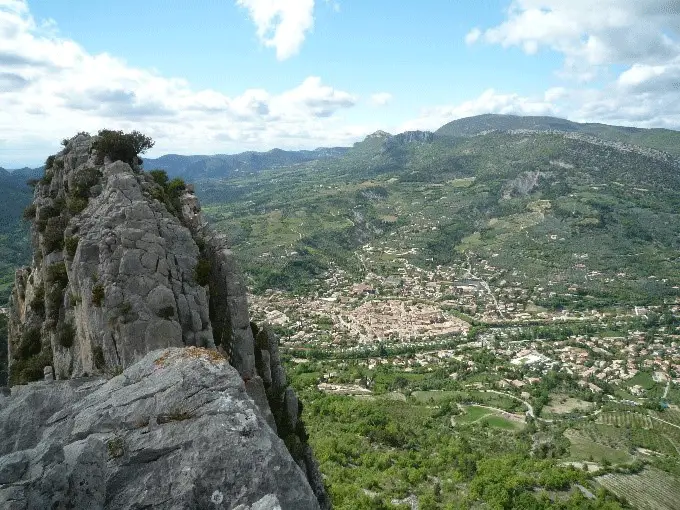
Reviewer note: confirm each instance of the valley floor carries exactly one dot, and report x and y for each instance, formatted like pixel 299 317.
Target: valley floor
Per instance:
pixel 406 376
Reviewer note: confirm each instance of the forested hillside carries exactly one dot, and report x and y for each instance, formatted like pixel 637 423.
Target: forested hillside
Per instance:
pixel 562 208
pixel 14 242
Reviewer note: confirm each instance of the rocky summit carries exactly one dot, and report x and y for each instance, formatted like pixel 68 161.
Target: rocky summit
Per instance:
pixel 124 266
pixel 174 430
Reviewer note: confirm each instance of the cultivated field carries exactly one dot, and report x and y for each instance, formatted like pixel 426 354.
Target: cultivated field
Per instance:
pixel 650 489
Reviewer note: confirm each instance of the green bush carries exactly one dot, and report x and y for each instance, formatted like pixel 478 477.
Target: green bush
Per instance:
pixel 160 177
pixel 30 343
pixel 53 301
pixel 53 235
pixel 71 245
pixel 66 334
pixel 45 213
pixel 98 355
pixel 202 272
pixel 119 146
pixel 49 162
pixel 126 308
pixel 169 192
pixel 29 212
pixel 98 294
pixel 49 211
pixel 56 273
pixel 175 187
pixel 57 278
pixel 79 195
pixel 83 180
pixel 76 205
pixel 30 369
pixel 38 301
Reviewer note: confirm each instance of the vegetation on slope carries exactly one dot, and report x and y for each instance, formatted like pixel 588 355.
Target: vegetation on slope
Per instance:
pixel 401 442
pixel 548 207
pixel 3 350
pixel 661 139
pixel 15 247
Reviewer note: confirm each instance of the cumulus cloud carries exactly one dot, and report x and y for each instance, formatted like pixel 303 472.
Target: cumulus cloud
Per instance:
pixel 281 24
pixel 640 36
pixel 488 102
pixel 317 99
pixel 51 87
pixel 473 36
pixel 610 32
pixel 381 98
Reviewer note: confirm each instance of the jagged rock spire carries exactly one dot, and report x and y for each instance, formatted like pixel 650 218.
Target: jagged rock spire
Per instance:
pixel 124 264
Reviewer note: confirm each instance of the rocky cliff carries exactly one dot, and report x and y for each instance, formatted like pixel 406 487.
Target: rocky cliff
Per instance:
pixel 174 430
pixel 124 264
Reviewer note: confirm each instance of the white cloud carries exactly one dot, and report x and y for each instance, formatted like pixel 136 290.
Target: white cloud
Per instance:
pixel 381 98
pixel 591 34
pixel 281 24
pixel 488 102
pixel 596 39
pixel 473 36
pixel 316 99
pixel 51 88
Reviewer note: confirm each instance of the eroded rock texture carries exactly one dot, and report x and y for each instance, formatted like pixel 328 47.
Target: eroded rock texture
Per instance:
pixel 174 430
pixel 124 265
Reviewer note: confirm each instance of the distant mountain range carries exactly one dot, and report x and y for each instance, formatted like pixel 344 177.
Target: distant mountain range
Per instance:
pixel 666 140
pixel 15 247
pixel 194 168
pixel 453 152
pixel 219 166
pixel 579 211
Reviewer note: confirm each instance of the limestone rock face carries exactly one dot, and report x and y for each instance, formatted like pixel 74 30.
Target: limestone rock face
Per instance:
pixel 125 265
pixel 143 260
pixel 113 275
pixel 174 430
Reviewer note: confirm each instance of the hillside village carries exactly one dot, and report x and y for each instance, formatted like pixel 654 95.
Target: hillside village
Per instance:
pixel 429 318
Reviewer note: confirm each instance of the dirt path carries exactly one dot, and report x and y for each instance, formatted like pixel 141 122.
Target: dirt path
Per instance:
pixel 504 414
pixel 530 408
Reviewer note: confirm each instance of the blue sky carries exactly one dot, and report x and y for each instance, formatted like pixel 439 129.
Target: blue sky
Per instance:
pixel 232 75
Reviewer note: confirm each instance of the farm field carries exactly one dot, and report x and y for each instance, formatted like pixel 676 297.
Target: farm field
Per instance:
pixel 650 489
pixel 493 417
pixel 584 448
pixel 561 404
pixel 654 431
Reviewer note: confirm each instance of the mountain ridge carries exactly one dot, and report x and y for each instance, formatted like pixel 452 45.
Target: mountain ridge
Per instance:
pixel 655 138
pixel 378 152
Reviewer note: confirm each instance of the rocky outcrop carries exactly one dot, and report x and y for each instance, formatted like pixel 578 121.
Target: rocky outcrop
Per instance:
pixel 407 137
pixel 113 273
pixel 174 430
pixel 125 264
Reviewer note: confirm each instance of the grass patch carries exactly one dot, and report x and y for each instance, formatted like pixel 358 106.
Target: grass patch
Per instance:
pixel 583 448
pixel 98 294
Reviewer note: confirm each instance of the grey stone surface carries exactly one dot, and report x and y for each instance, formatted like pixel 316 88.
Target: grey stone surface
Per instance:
pixel 291 403
pixel 256 391
pixel 130 287
pixel 177 429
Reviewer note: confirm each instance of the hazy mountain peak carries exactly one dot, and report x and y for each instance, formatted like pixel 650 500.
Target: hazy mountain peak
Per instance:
pixel 378 134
